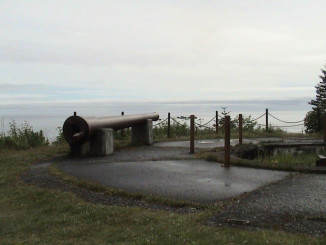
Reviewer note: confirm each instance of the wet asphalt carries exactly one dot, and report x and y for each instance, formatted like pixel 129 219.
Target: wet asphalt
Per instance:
pixel 190 180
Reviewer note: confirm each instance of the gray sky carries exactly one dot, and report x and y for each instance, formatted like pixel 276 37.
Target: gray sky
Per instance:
pixel 160 50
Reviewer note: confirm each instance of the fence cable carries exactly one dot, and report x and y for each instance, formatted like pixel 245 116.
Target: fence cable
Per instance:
pixel 160 122
pixel 208 121
pixel 281 126
pixel 284 121
pixel 177 122
pixel 258 117
pixel 289 126
pixel 200 125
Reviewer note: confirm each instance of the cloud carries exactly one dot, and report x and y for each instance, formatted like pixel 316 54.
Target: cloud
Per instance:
pixel 162 49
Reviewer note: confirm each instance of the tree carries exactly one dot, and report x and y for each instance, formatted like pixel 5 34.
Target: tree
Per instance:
pixel 320 100
pixel 312 121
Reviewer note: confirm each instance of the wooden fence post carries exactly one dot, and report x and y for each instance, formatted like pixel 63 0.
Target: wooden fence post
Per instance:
pixel 122 131
pixel 216 121
pixel 266 120
pixel 227 141
pixel 169 125
pixel 240 129
pixel 192 134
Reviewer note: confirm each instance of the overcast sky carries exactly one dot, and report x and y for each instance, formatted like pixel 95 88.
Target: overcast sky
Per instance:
pixel 160 50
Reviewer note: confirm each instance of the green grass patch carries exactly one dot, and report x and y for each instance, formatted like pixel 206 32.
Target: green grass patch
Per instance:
pixel 285 161
pixel 288 159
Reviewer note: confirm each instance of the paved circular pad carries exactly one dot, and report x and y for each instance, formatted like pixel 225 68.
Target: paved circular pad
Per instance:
pixel 192 180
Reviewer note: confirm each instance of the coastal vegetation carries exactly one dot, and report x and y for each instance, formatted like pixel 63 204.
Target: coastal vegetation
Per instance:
pixel 22 137
pixel 315 119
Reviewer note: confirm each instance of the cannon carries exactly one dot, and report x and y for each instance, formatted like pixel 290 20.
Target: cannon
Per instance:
pixel 94 135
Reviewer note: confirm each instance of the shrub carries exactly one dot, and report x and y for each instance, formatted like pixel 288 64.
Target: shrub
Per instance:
pixel 22 137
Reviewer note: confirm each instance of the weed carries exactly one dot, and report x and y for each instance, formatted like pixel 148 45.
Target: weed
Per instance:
pixel 22 137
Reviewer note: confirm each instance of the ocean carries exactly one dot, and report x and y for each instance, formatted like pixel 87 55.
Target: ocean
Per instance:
pixel 49 116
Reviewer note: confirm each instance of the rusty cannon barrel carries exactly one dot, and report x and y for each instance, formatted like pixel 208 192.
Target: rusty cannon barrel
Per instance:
pixel 77 130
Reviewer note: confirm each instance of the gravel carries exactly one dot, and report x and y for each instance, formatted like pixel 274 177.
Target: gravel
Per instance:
pixel 294 204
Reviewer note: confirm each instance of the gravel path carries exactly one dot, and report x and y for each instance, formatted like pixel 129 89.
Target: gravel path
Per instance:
pixel 294 204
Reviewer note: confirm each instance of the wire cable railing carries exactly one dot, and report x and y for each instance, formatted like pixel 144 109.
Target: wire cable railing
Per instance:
pixel 283 120
pixel 174 120
pixel 248 124
pixel 258 117
pixel 157 124
pixel 209 121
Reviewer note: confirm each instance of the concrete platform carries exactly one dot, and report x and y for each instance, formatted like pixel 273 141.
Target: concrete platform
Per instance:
pixel 192 180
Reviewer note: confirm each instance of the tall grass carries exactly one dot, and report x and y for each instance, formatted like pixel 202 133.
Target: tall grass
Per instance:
pixel 22 137
pixel 289 159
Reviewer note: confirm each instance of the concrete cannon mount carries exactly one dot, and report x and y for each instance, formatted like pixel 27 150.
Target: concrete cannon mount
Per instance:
pixel 102 142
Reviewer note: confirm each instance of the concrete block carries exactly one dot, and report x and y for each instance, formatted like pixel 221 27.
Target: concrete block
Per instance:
pixel 142 134
pixel 80 150
pixel 102 142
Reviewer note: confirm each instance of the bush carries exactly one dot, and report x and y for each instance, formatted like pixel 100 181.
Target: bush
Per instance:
pixel 22 137
pixel 60 139
pixel 311 123
pixel 176 130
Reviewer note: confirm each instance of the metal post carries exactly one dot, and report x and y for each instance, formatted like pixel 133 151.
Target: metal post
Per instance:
pixel 227 140
pixel 122 131
pixel 192 134
pixel 75 113
pixel 240 129
pixel 216 121
pixel 169 125
pixel 318 119
pixel 266 120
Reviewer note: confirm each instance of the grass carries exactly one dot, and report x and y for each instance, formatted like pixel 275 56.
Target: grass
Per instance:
pixel 296 160
pixel 33 215
pixel 285 161
pixel 22 137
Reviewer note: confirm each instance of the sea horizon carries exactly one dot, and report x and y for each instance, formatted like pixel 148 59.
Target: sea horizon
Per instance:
pixel 48 116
